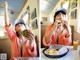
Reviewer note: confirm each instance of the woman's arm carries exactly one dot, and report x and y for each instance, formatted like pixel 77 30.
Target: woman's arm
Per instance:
pixel 49 35
pixel 6 18
pixel 45 41
pixel 50 31
pixel 10 32
pixel 63 39
pixel 68 36
pixel 32 51
pixel 31 44
pixel 68 40
pixel 67 27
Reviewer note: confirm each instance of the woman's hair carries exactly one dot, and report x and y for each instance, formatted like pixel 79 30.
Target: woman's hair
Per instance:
pixel 17 34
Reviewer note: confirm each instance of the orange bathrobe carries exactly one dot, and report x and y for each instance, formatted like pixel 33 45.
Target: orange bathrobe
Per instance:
pixel 63 40
pixel 15 49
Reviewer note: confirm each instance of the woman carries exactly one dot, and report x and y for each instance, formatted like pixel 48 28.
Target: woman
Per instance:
pixel 59 32
pixel 20 45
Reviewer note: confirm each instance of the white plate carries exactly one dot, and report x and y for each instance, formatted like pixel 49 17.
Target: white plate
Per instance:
pixel 61 49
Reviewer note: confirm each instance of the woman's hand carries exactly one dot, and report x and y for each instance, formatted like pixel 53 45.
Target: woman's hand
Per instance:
pixel 5 4
pixel 67 27
pixel 66 24
pixel 28 34
pixel 57 24
pixel 6 18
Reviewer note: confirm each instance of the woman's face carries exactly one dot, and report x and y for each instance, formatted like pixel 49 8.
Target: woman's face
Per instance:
pixel 60 17
pixel 20 27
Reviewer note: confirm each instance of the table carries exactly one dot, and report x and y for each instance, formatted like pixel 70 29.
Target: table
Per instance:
pixel 26 58
pixel 71 55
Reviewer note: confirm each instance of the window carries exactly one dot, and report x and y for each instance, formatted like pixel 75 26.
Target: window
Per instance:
pixel 65 5
pixel 25 18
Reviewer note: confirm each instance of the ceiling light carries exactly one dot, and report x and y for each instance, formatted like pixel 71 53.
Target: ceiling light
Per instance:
pixel 12 12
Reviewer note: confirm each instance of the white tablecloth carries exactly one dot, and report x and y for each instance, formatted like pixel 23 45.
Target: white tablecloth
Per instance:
pixel 26 58
pixel 71 55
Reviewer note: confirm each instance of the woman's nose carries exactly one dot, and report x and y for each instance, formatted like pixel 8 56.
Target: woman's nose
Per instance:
pixel 61 16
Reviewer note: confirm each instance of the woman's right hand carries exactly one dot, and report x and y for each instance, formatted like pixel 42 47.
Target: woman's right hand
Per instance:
pixel 57 23
pixel 6 18
pixel 5 4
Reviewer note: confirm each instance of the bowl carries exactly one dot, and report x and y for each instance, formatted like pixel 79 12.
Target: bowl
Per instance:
pixel 56 55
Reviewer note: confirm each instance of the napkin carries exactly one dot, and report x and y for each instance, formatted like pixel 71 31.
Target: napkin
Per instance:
pixel 62 50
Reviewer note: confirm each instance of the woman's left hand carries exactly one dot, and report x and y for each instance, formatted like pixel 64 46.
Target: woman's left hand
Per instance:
pixel 67 27
pixel 28 34
pixel 66 24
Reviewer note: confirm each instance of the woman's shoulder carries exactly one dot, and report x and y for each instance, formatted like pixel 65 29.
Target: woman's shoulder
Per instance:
pixel 49 26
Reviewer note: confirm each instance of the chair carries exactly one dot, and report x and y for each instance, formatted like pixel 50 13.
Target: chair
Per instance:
pixel 37 44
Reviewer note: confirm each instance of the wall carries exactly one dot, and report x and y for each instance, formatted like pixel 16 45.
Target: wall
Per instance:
pixel 45 15
pixel 76 22
pixel 32 6
pixel 43 25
